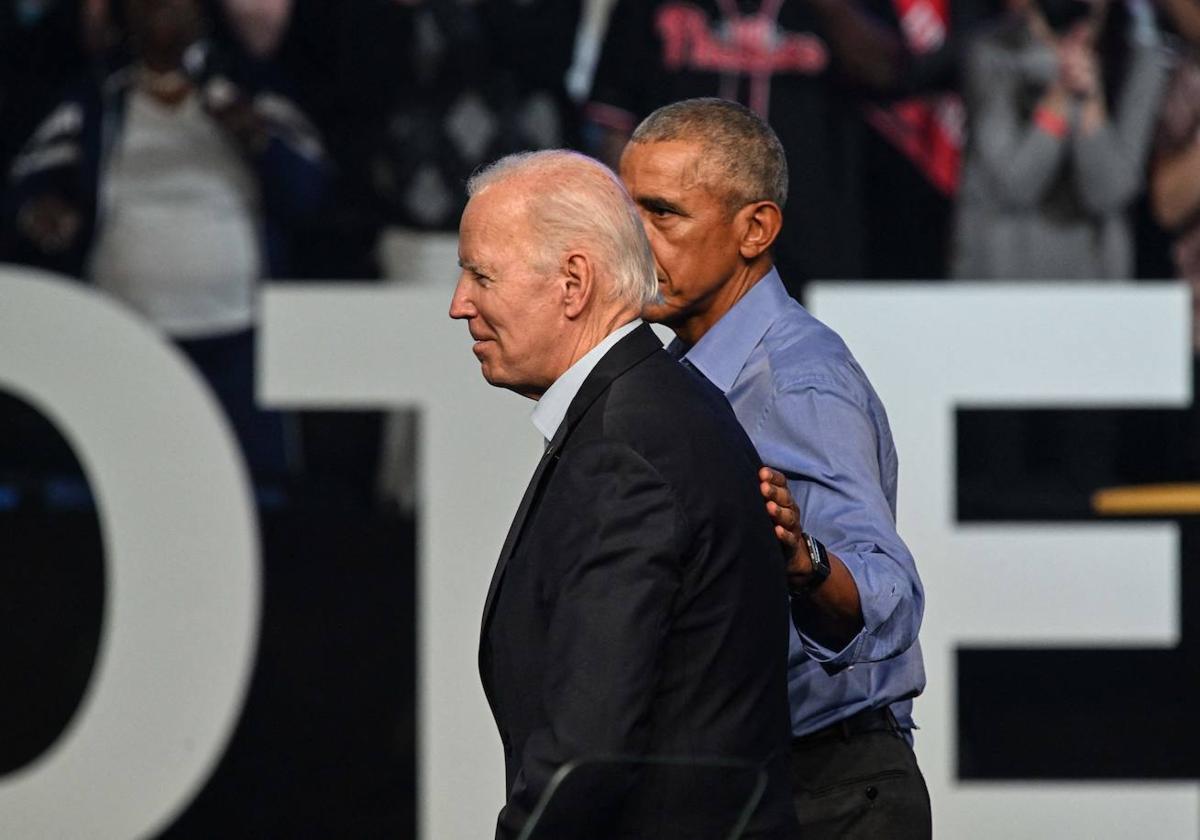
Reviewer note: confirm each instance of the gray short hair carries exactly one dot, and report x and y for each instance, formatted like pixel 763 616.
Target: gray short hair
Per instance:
pixel 746 151
pixel 580 201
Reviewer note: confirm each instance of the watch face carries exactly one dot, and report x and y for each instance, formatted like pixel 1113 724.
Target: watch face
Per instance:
pixel 820 559
pixel 803 584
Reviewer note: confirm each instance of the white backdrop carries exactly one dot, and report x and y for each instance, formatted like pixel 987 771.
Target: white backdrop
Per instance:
pixel 182 583
pixel 926 347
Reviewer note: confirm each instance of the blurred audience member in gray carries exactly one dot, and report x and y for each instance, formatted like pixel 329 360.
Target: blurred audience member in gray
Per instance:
pixel 1061 101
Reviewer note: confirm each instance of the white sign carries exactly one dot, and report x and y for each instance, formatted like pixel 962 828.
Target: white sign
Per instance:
pixel 181 550
pixel 181 564
pixel 932 348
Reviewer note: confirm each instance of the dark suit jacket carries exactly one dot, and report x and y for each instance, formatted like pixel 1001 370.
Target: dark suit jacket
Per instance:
pixel 639 609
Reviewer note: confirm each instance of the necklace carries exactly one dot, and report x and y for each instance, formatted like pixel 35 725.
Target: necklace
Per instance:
pixel 169 85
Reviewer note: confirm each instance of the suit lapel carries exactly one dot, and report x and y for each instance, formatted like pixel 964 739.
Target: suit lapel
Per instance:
pixel 518 523
pixel 626 353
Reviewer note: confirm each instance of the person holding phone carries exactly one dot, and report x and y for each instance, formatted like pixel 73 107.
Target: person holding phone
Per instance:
pixel 1061 98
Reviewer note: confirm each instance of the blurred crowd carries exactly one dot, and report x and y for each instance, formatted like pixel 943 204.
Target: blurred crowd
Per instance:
pixel 175 153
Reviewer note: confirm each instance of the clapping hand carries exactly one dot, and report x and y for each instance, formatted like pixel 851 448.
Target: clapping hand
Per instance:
pixel 50 223
pixel 235 113
pixel 1078 64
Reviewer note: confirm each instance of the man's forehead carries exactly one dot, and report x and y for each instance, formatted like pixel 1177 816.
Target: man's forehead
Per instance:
pixel 503 201
pixel 662 154
pixel 492 208
pixel 669 166
pixel 491 222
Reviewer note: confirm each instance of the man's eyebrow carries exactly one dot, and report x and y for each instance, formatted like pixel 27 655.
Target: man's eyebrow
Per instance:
pixel 653 202
pixel 473 267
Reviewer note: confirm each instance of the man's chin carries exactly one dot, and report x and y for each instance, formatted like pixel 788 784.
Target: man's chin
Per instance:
pixel 494 377
pixel 490 376
pixel 528 391
pixel 660 312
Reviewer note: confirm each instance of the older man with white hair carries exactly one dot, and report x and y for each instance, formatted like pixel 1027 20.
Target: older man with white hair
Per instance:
pixel 634 637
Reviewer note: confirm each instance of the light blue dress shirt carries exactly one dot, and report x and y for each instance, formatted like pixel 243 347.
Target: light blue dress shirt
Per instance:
pixel 811 413
pixel 551 409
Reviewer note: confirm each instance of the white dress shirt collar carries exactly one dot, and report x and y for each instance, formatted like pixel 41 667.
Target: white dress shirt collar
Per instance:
pixel 548 414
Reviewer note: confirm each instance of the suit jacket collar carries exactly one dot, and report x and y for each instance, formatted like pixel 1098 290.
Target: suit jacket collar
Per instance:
pixel 633 348
pixel 551 408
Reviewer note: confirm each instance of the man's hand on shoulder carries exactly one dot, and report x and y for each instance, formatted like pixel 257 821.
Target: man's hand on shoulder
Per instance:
pixel 781 507
pixel 831 610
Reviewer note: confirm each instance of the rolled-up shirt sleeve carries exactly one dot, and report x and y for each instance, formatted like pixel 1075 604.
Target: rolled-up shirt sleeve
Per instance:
pixel 820 433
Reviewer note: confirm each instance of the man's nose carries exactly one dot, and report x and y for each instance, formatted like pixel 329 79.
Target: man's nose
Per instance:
pixel 460 304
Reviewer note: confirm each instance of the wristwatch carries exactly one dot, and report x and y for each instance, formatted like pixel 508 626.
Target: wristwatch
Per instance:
pixel 820 565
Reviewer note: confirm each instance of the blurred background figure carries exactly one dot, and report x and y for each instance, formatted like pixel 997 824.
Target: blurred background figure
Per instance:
pixel 1061 101
pixel 1175 180
pixel 1175 167
pixel 472 82
pixel 44 44
pixel 805 66
pixel 259 25
pixel 172 183
pixel 912 155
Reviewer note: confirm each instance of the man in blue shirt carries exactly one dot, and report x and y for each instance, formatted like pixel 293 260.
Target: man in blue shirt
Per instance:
pixel 710 179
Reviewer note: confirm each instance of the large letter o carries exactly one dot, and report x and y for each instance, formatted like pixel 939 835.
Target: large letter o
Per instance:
pixel 181 553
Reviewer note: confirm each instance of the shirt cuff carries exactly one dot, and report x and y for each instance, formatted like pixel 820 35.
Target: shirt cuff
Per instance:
pixel 879 598
pixel 833 660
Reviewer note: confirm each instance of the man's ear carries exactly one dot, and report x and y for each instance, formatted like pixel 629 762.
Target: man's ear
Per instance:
pixel 578 284
pixel 760 224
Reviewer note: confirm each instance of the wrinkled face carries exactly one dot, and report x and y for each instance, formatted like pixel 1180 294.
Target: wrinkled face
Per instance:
pixel 512 307
pixel 692 232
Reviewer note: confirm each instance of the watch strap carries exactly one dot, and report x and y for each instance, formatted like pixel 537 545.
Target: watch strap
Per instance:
pixel 820 565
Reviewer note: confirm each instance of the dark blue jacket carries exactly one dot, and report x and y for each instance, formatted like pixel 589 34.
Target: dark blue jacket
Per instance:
pixel 67 156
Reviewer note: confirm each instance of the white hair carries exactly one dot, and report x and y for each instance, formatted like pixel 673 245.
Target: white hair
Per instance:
pixel 578 202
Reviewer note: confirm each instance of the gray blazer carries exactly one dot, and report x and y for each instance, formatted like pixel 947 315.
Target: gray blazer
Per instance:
pixel 1033 206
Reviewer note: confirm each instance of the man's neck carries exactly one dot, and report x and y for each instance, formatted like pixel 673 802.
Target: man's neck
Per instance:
pixel 693 328
pixel 596 330
pixel 582 340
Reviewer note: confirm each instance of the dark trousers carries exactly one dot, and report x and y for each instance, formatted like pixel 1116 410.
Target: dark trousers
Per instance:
pixel 859 782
